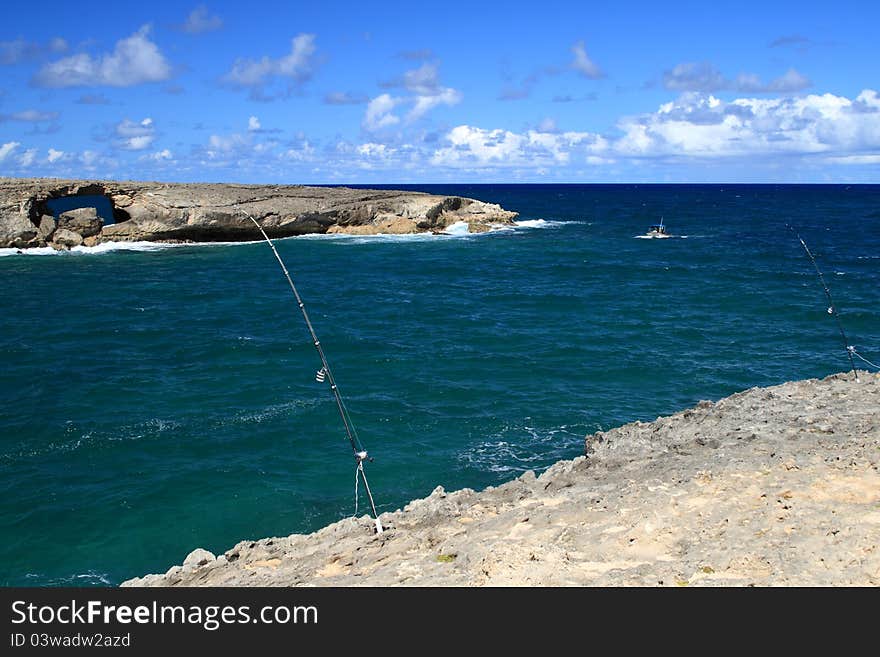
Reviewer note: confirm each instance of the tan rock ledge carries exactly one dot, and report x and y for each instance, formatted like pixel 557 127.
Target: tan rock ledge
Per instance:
pixel 771 486
pixel 152 211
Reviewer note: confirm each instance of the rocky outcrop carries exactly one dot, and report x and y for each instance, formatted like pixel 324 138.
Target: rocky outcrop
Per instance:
pixel 153 211
pixel 771 486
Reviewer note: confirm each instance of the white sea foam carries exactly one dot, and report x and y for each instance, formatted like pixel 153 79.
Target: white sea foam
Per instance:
pixel 541 223
pixel 110 247
pixel 516 449
pixel 458 228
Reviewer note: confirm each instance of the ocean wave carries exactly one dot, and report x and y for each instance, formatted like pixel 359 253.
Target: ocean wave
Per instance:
pixel 541 223
pixel 111 247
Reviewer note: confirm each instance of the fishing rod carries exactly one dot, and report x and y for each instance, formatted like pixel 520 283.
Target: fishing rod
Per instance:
pixel 360 454
pixel 832 309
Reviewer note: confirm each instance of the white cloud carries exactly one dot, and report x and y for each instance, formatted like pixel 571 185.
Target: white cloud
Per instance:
pixel 135 136
pixel 199 21
pixel 548 124
pixel 424 104
pixel 296 66
pixel 221 146
pixel 583 64
pixel 426 93
pixel 694 127
pixel 28 157
pixel 378 114
pixel 374 150
pixel 704 126
pixel 54 155
pixel 299 154
pixel 471 146
pixel 7 148
pixel 134 60
pixel 160 156
pixel 254 124
pixel 90 158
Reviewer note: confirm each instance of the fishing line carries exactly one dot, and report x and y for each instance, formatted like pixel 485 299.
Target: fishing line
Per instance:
pixel 325 373
pixel 832 310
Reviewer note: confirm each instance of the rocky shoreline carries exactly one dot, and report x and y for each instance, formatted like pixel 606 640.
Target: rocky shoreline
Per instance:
pixel 178 212
pixel 770 486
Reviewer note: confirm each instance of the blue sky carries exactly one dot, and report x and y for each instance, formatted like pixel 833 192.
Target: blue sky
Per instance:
pixel 395 92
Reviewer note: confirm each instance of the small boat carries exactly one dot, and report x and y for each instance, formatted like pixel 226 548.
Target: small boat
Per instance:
pixel 657 231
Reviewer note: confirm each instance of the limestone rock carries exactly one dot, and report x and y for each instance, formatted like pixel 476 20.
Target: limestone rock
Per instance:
pixel 220 212
pixel 67 238
pixel 84 221
pixel 198 557
pixel 47 226
pixel 16 231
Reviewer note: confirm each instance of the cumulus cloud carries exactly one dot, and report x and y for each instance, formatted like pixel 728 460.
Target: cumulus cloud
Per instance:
pixel 53 155
pixel 704 77
pixel 425 93
pixel 13 52
pixel 135 136
pixel 164 155
pixel 379 113
pixel 134 60
pixel 425 103
pixel 703 126
pixel 7 149
pixel 200 20
pixel 255 74
pixel 695 126
pixel 254 124
pixel 470 146
pixel 28 157
pixel 583 64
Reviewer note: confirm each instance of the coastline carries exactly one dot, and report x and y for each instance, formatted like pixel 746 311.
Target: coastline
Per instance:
pixel 769 486
pixel 220 212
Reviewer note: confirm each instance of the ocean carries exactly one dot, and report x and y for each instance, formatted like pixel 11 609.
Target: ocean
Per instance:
pixel 155 399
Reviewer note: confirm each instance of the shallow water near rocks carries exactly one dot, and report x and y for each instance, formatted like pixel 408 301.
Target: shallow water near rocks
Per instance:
pixel 161 399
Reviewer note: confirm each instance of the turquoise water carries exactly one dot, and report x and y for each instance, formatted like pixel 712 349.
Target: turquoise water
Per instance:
pixel 154 401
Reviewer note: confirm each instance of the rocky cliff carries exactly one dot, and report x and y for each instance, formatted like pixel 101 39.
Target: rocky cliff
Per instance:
pixel 219 212
pixel 771 486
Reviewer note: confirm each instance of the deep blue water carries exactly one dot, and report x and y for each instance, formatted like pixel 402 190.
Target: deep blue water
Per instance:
pixel 157 401
pixel 100 203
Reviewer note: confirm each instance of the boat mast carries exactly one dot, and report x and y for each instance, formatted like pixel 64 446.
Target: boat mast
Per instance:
pixel 360 454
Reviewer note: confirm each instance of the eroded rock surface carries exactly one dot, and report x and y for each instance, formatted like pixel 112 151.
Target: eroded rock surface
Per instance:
pixel 153 211
pixel 771 486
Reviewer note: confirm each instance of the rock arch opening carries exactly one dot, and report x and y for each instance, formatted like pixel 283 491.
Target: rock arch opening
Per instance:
pixel 102 205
